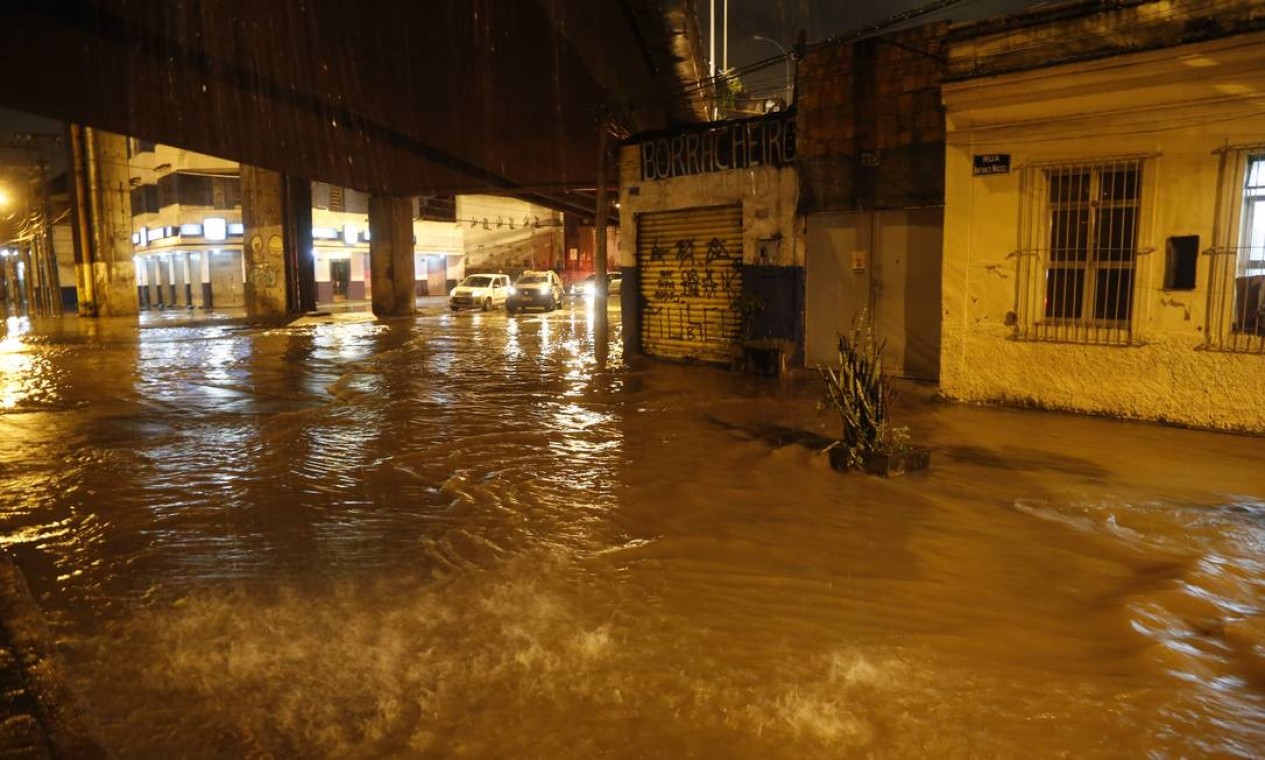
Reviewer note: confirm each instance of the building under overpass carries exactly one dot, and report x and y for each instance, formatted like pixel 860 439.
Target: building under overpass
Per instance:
pixel 397 100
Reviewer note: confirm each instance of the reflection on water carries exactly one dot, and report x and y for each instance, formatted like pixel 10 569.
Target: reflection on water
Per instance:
pixel 457 537
pixel 27 375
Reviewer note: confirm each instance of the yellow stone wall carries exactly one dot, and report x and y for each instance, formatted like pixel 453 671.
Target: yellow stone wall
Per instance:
pixel 1178 105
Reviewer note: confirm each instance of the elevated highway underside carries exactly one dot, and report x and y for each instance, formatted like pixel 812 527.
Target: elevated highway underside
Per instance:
pixel 397 98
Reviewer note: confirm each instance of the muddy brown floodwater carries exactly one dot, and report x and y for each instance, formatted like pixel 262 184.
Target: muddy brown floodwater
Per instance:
pixel 453 537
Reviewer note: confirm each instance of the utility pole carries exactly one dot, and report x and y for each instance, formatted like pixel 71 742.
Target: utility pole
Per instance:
pixel 85 211
pixel 711 42
pixel 711 56
pixel 601 327
pixel 41 144
pixel 31 301
pixel 19 240
pixel 50 252
pixel 724 36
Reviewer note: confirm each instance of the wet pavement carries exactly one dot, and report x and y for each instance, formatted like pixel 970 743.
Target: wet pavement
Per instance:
pixel 457 536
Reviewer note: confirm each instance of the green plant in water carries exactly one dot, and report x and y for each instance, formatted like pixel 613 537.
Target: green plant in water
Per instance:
pixel 857 392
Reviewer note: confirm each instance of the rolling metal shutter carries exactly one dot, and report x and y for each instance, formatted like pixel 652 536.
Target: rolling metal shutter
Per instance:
pixel 690 264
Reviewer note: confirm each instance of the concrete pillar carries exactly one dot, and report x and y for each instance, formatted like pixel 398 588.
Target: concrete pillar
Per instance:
pixel 202 279
pixel 391 255
pixel 168 285
pixel 300 258
pixel 30 286
pixel 142 286
pixel 103 206
pixel 6 288
pixel 263 244
pixel 173 279
pixel 277 245
pixel 187 272
pixel 154 278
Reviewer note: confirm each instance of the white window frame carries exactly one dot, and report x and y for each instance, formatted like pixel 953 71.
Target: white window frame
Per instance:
pixel 1236 261
pixel 1252 230
pixel 1084 316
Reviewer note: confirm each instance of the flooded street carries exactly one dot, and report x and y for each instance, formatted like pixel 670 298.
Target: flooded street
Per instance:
pixel 451 536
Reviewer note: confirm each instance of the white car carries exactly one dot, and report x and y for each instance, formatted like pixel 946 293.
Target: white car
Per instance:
pixel 536 289
pixel 480 291
pixel 584 288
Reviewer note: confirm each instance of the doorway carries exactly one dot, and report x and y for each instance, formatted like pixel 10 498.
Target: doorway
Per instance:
pixel 885 264
pixel 340 277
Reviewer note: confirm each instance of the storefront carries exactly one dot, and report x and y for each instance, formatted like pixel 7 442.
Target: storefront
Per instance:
pixel 196 264
pixel 710 240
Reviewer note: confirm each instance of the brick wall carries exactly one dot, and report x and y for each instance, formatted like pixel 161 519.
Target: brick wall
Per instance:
pixel 871 127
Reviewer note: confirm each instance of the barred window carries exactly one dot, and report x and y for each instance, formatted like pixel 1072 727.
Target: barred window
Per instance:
pixel 1236 293
pixel 1078 269
pixel 1252 258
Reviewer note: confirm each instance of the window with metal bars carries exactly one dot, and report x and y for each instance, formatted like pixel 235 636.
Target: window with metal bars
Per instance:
pixel 1252 254
pixel 1078 271
pixel 1236 293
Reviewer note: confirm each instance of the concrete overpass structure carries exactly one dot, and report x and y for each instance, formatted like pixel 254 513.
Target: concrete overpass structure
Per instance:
pixel 394 98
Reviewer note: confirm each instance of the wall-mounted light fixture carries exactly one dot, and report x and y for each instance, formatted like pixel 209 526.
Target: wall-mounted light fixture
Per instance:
pixel 215 228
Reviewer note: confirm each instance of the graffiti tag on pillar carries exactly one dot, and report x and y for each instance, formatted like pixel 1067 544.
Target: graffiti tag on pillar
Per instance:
pixel 263 276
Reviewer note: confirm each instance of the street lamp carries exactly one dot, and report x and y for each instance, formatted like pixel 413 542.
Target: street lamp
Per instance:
pixel 786 59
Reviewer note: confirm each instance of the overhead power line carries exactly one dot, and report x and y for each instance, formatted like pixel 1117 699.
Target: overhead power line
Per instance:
pixel 694 89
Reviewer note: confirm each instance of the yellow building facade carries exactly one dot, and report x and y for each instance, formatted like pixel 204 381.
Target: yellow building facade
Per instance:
pixel 1102 247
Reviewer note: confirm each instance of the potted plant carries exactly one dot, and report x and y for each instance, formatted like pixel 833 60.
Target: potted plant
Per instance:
pixel 856 390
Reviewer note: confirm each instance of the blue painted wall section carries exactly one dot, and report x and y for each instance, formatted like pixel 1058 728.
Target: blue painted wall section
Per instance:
pixel 778 293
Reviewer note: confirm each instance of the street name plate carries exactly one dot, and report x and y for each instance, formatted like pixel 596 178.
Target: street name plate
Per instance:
pixel 992 163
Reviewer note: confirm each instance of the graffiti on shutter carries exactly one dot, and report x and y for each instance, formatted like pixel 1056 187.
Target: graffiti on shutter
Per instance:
pixel 690 264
